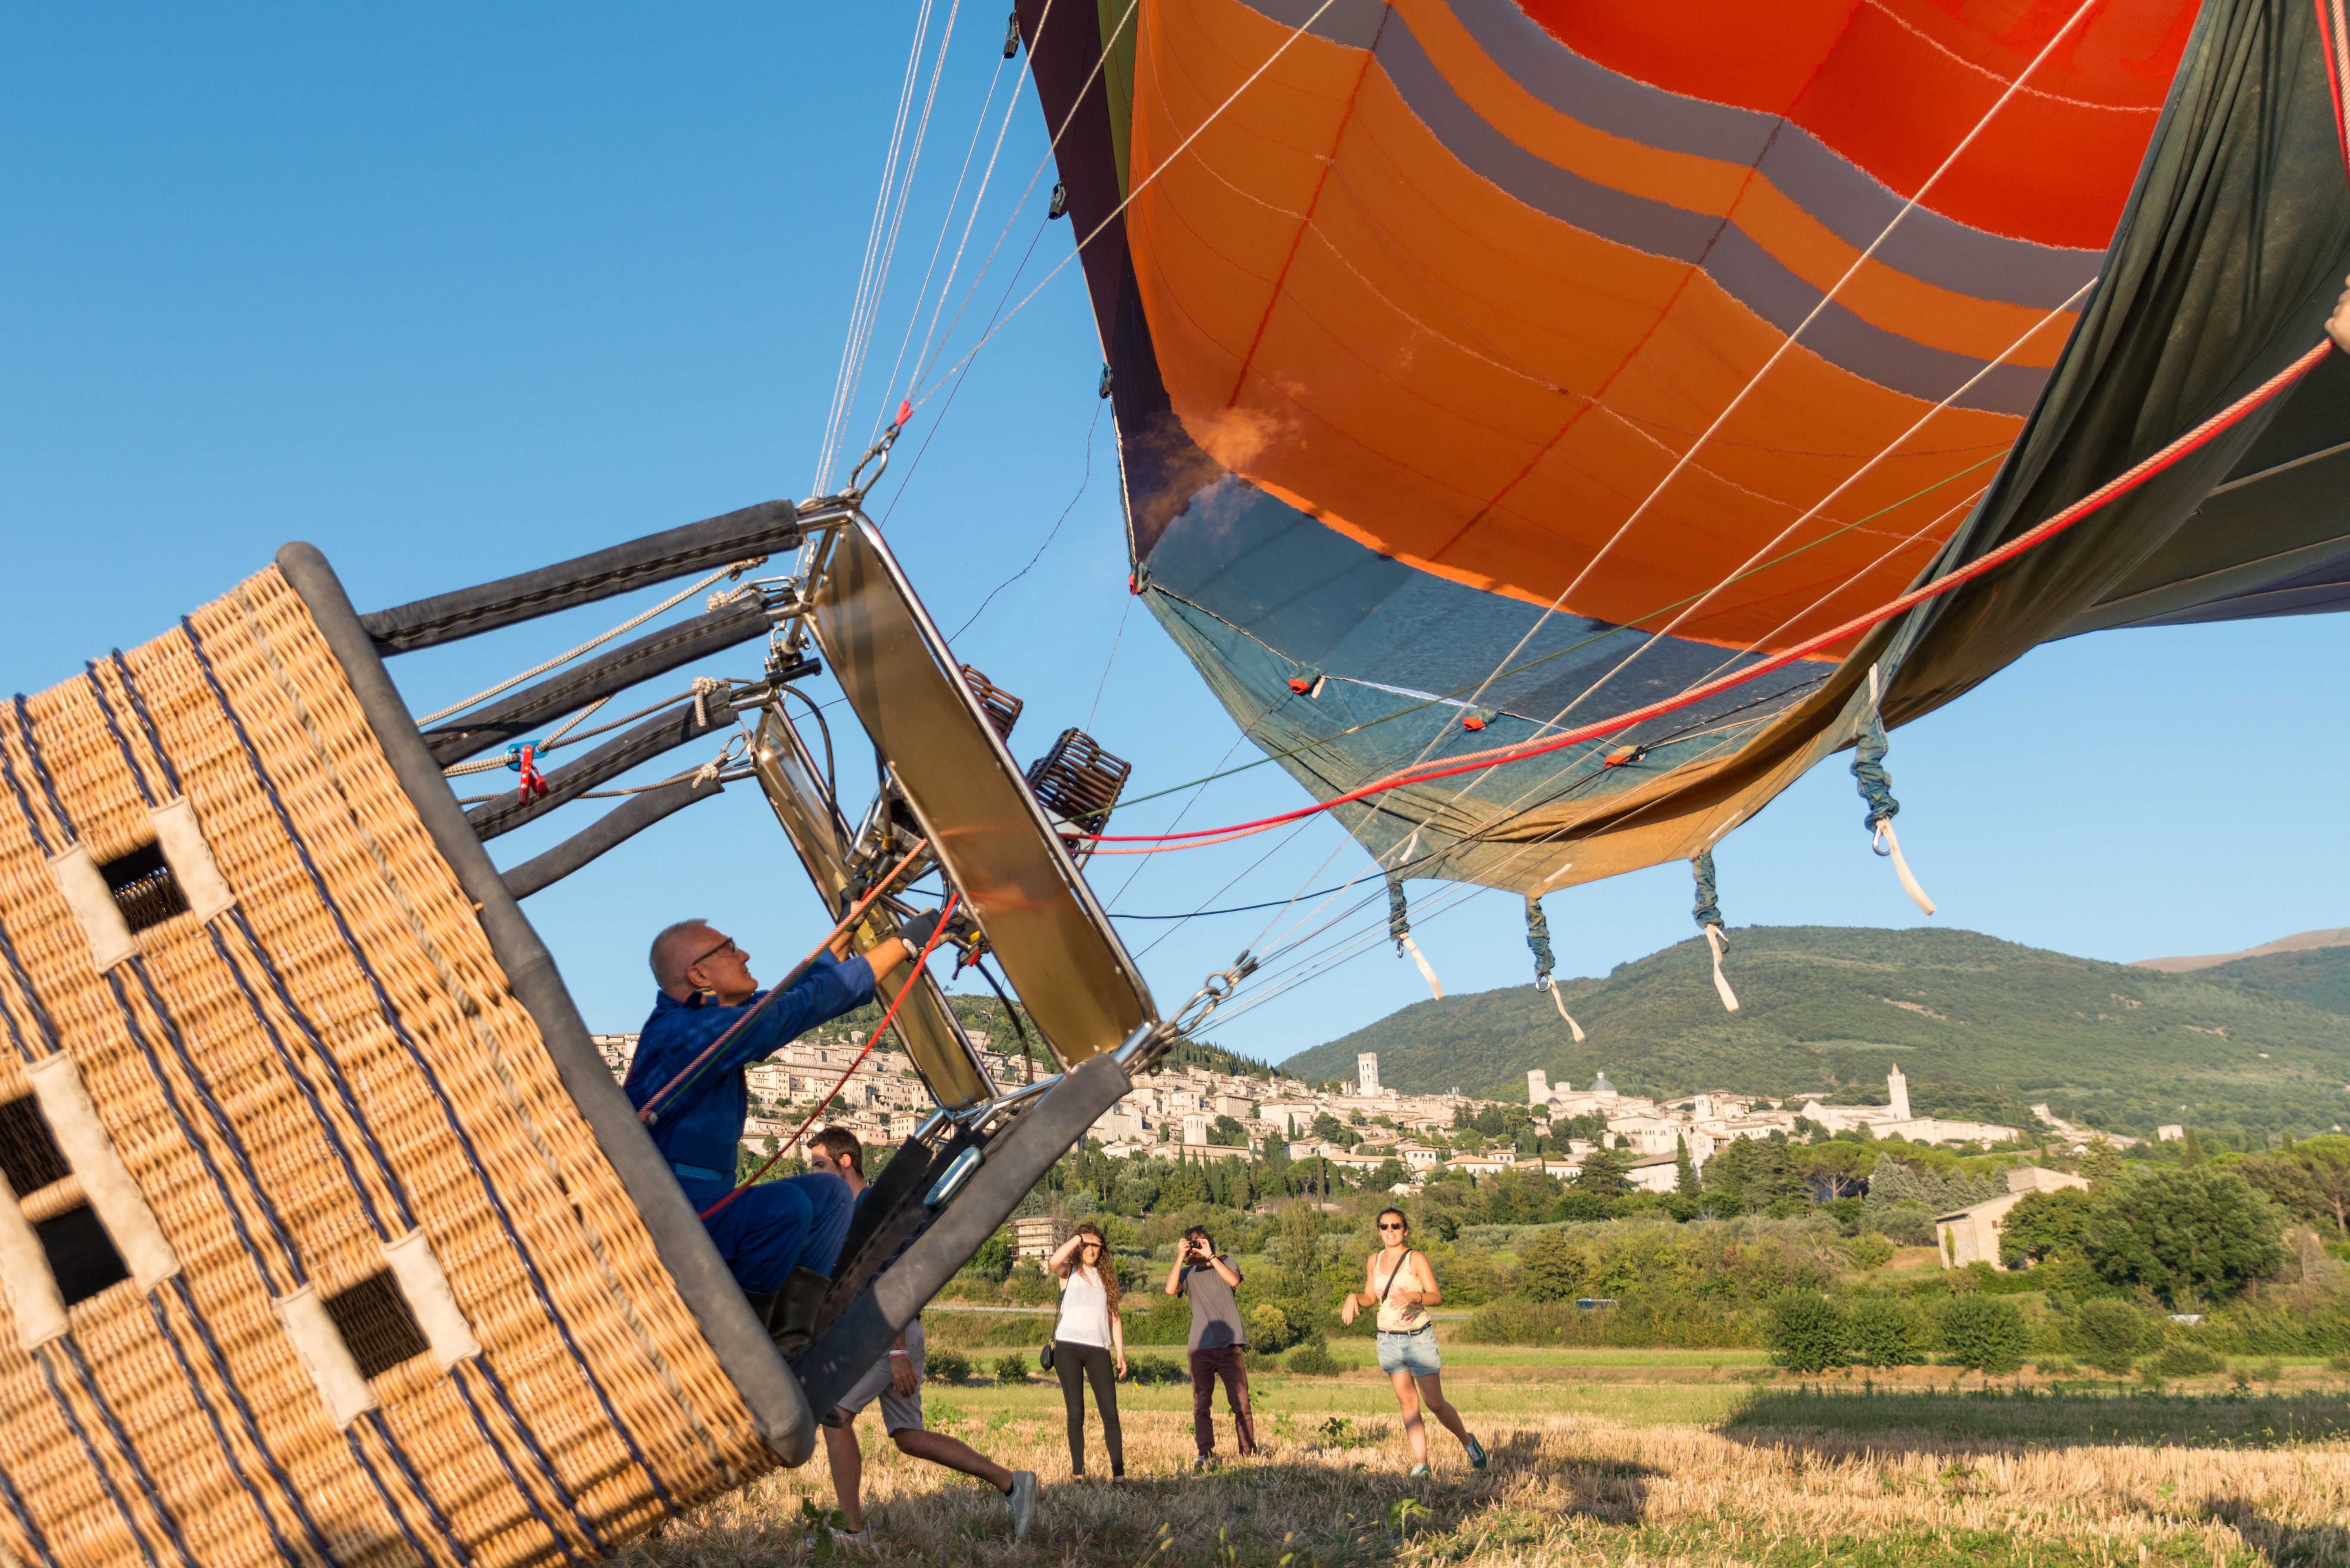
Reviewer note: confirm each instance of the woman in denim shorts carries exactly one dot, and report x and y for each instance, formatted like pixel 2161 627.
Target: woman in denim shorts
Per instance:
pixel 1399 1282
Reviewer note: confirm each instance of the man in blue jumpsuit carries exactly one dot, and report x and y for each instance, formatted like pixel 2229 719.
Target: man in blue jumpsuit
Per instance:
pixel 781 1239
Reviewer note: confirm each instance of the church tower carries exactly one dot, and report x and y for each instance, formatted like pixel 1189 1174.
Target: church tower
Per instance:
pixel 1899 1089
pixel 1367 1074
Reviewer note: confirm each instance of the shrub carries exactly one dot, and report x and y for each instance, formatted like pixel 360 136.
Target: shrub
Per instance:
pixel 2109 1334
pixel 1256 1360
pixel 945 1366
pixel 1982 1334
pixel 994 1258
pixel 1314 1360
pixel 1149 1369
pixel 1549 1268
pixel 1469 1278
pixel 1269 1328
pixel 1870 1249
pixel 1011 1368
pixel 2187 1230
pixel 1885 1331
pixel 1808 1332
pixel 2271 1371
pixel 2184 1358
pixel 1030 1286
pixel 2338 1364
pixel 1640 1323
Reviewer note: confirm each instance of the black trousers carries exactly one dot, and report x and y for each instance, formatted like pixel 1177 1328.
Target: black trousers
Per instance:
pixel 1078 1365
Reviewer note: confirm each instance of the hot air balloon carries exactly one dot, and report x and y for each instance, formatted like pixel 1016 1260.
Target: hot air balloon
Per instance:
pixel 1484 369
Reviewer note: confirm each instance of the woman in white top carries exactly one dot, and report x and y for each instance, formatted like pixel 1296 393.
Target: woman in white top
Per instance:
pixel 1397 1281
pixel 1087 1341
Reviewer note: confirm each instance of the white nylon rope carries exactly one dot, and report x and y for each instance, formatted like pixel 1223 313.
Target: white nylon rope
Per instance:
pixel 954 200
pixel 1303 969
pixel 1426 973
pixel 1559 1002
pixel 1295 33
pixel 1882 455
pixel 828 450
pixel 1789 342
pixel 591 644
pixel 1720 981
pixel 1037 173
pixel 898 216
pixel 1752 561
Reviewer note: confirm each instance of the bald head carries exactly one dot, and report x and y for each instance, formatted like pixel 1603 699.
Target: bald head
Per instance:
pixel 675 951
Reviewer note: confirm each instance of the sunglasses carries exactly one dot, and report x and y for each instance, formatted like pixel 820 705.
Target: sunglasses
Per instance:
pixel 725 947
pixel 1386 1227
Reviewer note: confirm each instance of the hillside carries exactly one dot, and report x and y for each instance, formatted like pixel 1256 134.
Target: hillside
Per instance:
pixel 1981 1026
pixel 2300 941
pixel 2321 978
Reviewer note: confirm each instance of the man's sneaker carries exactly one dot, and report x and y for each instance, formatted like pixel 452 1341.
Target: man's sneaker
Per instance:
pixel 1417 1472
pixel 1476 1454
pixel 1204 1462
pixel 1023 1498
pixel 859 1539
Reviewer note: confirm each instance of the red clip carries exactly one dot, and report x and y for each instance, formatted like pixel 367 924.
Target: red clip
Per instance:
pixel 1472 722
pixel 1620 756
pixel 1299 684
pixel 534 783
pixel 905 411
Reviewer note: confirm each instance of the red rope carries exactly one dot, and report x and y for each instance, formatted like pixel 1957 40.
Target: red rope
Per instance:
pixel 652 1104
pixel 2331 28
pixel 2122 483
pixel 913 978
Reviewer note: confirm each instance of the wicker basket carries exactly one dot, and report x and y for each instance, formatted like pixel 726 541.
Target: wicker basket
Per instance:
pixel 311 1251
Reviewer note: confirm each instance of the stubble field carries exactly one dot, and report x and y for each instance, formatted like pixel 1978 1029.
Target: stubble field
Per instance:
pixel 1615 1457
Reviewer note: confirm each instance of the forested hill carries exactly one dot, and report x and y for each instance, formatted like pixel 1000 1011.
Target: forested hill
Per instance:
pixel 2320 977
pixel 1981 1027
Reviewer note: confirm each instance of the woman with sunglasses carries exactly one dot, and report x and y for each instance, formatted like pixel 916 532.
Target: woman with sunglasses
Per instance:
pixel 1088 1342
pixel 1397 1282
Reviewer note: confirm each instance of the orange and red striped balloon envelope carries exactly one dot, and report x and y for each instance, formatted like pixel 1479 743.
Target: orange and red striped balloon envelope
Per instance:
pixel 1488 367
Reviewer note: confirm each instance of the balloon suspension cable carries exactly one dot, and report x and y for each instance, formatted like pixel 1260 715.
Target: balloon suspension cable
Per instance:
pixel 651 1110
pixel 913 979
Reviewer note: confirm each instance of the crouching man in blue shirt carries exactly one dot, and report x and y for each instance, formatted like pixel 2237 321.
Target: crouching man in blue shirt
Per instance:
pixel 783 1238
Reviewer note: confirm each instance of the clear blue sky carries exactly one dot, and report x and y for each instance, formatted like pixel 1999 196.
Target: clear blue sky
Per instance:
pixel 451 292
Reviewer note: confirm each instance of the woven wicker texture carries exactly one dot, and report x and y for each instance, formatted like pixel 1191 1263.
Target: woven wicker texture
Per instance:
pixel 315 1073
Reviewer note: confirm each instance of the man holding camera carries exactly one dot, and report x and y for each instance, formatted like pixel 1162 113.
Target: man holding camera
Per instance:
pixel 1218 1341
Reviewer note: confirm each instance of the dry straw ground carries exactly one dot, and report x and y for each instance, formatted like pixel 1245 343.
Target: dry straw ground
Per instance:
pixel 1586 1471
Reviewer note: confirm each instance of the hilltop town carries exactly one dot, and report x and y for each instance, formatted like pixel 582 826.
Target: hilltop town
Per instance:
pixel 1357 1125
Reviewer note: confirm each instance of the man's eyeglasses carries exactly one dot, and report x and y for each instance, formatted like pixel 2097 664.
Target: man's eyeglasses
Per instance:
pixel 725 947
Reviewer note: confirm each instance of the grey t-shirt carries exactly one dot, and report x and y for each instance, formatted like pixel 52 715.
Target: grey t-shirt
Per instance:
pixel 1215 1314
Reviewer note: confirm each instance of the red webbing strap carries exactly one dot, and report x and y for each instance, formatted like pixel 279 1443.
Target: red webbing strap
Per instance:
pixel 651 1106
pixel 913 978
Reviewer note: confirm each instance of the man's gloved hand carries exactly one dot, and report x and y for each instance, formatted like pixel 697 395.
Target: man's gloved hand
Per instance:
pixel 917 930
